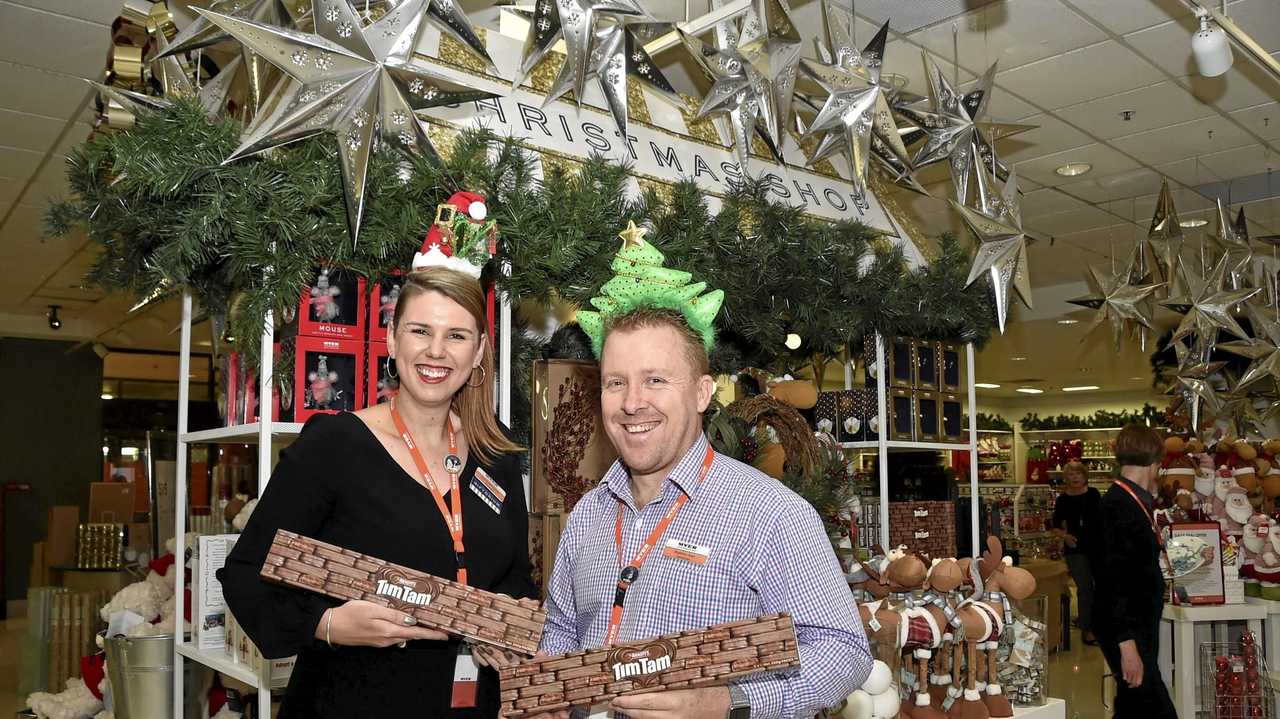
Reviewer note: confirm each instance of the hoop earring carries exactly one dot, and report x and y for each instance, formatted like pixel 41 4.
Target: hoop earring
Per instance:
pixel 392 373
pixel 483 375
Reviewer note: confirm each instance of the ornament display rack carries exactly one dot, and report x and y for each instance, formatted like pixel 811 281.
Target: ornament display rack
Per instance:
pixel 883 448
pixel 992 465
pixel 1101 439
pixel 1027 511
pixel 269 436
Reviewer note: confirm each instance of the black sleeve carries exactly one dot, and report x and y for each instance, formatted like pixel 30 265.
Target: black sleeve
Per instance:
pixel 299 497
pixel 1059 511
pixel 1119 546
pixel 519 581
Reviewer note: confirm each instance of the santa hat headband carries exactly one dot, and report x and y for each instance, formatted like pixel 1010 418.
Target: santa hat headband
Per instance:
pixel 460 239
pixel 1179 471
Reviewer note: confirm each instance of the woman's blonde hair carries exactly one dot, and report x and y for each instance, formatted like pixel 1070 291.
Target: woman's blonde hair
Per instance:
pixel 473 404
pixel 1074 466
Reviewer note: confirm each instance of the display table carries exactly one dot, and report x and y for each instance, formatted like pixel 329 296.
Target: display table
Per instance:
pixel 1052 709
pixel 1189 626
pixel 1271 626
pixel 1051 583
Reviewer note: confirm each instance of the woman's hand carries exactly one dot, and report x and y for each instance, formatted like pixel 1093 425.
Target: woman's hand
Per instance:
pixel 364 624
pixel 1070 539
pixel 1130 664
pixel 494 657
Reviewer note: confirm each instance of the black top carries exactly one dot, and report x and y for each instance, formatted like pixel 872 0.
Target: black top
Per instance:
pixel 338 484
pixel 1129 587
pixel 1079 513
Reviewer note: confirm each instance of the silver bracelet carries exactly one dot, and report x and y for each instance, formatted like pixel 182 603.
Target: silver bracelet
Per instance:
pixel 328 622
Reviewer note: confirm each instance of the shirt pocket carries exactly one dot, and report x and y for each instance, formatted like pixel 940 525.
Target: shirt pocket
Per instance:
pixel 709 593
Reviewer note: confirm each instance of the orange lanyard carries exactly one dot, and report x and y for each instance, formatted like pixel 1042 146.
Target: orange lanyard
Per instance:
pixel 453 467
pixel 1150 516
pixel 630 572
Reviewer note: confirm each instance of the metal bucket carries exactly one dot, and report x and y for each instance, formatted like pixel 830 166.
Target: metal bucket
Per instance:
pixel 140 670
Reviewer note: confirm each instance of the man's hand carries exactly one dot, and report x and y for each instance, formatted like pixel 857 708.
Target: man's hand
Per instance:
pixel 1130 664
pixel 710 703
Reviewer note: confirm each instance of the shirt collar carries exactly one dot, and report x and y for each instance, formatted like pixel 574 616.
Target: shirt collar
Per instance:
pixel 684 475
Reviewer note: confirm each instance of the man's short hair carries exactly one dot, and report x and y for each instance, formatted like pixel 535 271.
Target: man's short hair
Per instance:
pixel 648 317
pixel 1138 446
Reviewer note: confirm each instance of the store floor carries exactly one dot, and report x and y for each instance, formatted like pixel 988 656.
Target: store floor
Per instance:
pixel 1076 676
pixel 11 634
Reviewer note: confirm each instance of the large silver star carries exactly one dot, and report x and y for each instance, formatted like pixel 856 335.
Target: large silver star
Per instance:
pixel 1237 249
pixel 770 41
pixel 737 90
pixel 1002 250
pixel 356 82
pixel 1117 302
pixel 856 105
pixel 1205 306
pixel 1165 236
pixel 1263 349
pixel 952 125
pixel 1194 385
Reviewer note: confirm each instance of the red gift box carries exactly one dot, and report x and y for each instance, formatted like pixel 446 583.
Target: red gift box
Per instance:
pixel 382 305
pixel 327 376
pixel 380 387
pixel 333 306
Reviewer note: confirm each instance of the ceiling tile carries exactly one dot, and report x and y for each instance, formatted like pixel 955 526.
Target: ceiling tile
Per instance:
pixel 1047 201
pixel 1183 173
pixel 103 12
pixel 1168 46
pixel 9 190
pixel 57 43
pixel 1240 162
pixel 1157 105
pixel 1189 139
pixel 1123 17
pixel 1011 33
pixel 1262 120
pixel 41 92
pixel 1259 19
pixel 29 132
pixel 19 164
pixel 1117 189
pixel 1105 161
pixel 1052 135
pixel 1005 106
pixel 1080 75
pixel 1245 85
pixel 1077 220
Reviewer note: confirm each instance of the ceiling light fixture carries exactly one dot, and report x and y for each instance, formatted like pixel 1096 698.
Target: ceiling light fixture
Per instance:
pixel 1018 358
pixel 1189 224
pixel 986 385
pixel 54 322
pixel 1211 48
pixel 1068 322
pixel 1138 379
pixel 108 395
pixel 1029 390
pixel 1081 388
pixel 1072 169
pixel 793 341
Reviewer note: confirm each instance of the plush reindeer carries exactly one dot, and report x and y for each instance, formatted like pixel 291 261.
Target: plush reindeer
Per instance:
pixel 984 616
pixel 940 599
pixel 919 632
pixel 878 619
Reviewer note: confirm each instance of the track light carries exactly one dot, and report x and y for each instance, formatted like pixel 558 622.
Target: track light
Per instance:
pixel 1211 48
pixel 54 322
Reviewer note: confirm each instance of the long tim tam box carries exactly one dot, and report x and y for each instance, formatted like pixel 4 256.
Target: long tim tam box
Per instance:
pixel 698 658
pixel 437 603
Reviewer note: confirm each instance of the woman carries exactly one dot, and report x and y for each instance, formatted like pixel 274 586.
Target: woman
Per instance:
pixel 1075 512
pixel 1130 587
pixel 352 480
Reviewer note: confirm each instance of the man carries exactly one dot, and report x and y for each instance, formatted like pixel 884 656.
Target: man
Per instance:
pixel 758 548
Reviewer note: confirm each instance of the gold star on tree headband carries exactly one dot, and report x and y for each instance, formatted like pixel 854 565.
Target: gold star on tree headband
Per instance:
pixel 640 280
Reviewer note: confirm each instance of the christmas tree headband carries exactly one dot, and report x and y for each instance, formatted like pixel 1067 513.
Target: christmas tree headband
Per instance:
pixel 640 280
pixel 461 238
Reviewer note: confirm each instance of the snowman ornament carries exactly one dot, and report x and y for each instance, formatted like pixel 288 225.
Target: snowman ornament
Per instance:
pixel 324 305
pixel 321 388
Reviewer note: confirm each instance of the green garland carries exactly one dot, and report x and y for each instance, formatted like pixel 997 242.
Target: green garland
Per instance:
pixel 244 237
pixel 1102 419
pixel 993 422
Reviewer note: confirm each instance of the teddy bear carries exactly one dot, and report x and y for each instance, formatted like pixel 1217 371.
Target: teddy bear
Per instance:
pixel 1270 478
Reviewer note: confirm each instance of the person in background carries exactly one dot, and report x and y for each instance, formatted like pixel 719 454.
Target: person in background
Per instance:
pixel 1075 513
pixel 1130 588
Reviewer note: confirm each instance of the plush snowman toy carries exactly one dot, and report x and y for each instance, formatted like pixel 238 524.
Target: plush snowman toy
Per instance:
pixel 876 699
pixel 324 307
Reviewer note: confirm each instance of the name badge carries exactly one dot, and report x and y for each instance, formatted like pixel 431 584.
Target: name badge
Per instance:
pixel 687 551
pixel 489 491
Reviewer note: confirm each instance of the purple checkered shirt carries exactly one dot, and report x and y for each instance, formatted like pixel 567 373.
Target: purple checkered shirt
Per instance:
pixel 769 553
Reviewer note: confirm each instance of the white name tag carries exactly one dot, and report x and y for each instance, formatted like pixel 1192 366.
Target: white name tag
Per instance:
pixel 687 551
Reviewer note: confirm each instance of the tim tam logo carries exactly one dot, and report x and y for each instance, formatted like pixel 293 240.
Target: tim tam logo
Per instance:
pixel 642 665
pixel 403 592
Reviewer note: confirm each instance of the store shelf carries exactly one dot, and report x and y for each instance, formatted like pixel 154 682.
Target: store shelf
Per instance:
pixel 241 433
pixel 903 446
pixel 220 661
pixel 1069 431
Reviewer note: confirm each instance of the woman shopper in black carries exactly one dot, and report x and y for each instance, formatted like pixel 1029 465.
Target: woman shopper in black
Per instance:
pixel 1130 585
pixel 353 480
pixel 1075 512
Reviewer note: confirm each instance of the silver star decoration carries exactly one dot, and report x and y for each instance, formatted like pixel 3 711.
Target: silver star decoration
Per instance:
pixel 952 125
pixel 1237 249
pixel 1205 306
pixel 754 77
pixel 1165 235
pixel 1263 349
pixel 1194 385
pixel 353 87
pixel 1117 301
pixel 1003 247
pixel 856 104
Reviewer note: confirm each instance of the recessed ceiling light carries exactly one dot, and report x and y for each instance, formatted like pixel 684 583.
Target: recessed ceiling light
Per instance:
pixel 1072 169
pixel 1068 322
pixel 1193 223
pixel 1029 390
pixel 793 341
pixel 986 385
pixel 106 395
pixel 1081 388
pixel 1018 358
pixel 1138 379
